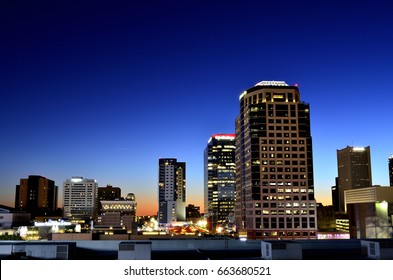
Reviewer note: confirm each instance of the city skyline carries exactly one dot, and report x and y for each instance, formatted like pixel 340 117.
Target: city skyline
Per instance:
pixel 103 91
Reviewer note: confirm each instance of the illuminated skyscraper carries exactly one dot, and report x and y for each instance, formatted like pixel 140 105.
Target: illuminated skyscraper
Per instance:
pixel 80 199
pixel 274 164
pixel 171 191
pixel 219 181
pixel 354 171
pixel 36 195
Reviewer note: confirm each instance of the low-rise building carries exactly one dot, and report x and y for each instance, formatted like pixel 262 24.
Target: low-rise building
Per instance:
pixel 370 212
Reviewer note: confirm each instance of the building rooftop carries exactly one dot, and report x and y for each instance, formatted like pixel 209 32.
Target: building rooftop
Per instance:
pixel 272 83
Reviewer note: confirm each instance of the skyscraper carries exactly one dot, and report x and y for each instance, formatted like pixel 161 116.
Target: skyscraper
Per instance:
pixel 80 201
pixel 37 195
pixel 219 180
pixel 391 170
pixel 274 164
pixel 171 191
pixel 354 171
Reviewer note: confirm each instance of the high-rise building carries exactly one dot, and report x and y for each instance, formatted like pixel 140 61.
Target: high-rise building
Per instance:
pixel 391 170
pixel 80 201
pixel 274 164
pixel 171 191
pixel 219 180
pixel 354 171
pixel 37 195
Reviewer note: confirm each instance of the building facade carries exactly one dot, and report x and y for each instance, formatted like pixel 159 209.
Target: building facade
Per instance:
pixel 36 195
pixel 109 193
pixel 80 199
pixel 274 164
pixel 219 180
pixel 370 212
pixel 171 191
pixel 118 213
pixel 354 171
pixel 10 219
pixel 193 213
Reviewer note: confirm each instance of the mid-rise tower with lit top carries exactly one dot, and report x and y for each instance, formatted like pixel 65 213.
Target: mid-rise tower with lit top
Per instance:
pixel 274 164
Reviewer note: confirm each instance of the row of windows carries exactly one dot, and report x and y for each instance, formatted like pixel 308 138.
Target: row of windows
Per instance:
pixel 284 212
pixel 283 148
pixel 284 234
pixel 293 183
pixel 286 162
pixel 279 127
pixel 280 141
pixel 280 155
pixel 283 205
pixel 263 97
pixel 288 222
pixel 286 169
pixel 282 176
pixel 259 121
pixel 282 197
pixel 274 204
pixel 273 135
pixel 284 121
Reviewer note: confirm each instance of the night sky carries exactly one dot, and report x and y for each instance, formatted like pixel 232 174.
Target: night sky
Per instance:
pixel 103 89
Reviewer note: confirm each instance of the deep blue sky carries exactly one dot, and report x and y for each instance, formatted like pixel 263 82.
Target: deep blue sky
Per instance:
pixel 103 89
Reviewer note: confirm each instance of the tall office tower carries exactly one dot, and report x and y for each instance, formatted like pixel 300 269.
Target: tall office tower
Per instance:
pixel 354 171
pixel 391 170
pixel 219 180
pixel 171 191
pixel 37 195
pixel 109 193
pixel 80 201
pixel 274 164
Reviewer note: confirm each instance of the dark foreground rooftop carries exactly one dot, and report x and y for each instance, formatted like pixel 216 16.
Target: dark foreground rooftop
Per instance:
pixel 199 249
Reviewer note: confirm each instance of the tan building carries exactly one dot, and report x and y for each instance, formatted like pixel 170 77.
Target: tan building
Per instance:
pixel 36 195
pixel 274 164
pixel 354 171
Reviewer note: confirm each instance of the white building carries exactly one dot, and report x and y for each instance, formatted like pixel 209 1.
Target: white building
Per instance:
pixel 80 199
pixel 11 219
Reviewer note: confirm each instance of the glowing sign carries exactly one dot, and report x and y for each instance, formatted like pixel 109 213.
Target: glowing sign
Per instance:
pixel 358 149
pixel 76 179
pixel 222 137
